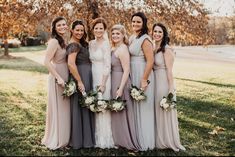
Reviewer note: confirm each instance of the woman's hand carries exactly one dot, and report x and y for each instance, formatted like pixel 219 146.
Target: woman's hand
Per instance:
pixel 119 93
pixel 101 88
pixel 144 84
pixel 81 87
pixel 60 82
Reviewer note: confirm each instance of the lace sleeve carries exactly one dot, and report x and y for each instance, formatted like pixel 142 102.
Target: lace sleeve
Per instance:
pixel 107 58
pixel 72 48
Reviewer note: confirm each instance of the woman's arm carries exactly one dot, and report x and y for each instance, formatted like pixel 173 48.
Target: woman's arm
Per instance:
pixel 50 53
pixel 148 53
pixel 73 70
pixel 124 57
pixel 169 61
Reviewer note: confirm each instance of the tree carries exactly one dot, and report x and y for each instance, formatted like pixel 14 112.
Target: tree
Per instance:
pixel 187 20
pixel 16 16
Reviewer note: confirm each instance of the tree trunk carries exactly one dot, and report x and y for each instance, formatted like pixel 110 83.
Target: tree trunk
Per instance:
pixel 93 10
pixel 6 52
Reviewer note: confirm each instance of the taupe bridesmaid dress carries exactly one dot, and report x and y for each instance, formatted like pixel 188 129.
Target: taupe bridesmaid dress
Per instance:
pixel 57 131
pixel 123 126
pixel 167 131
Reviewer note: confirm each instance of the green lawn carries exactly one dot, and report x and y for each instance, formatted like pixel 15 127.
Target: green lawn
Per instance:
pixel 25 49
pixel 206 99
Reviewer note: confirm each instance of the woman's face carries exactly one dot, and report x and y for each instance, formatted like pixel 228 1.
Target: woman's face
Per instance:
pixel 78 32
pixel 117 36
pixel 99 30
pixel 137 23
pixel 61 27
pixel 157 34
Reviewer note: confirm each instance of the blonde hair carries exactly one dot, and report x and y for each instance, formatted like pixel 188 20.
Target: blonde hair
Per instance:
pixel 122 29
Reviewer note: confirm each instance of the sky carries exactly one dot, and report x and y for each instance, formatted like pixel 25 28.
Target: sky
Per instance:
pixel 220 7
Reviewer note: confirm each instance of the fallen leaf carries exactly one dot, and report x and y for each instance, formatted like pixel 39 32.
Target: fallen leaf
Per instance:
pixel 214 132
pixel 218 128
pixel 131 153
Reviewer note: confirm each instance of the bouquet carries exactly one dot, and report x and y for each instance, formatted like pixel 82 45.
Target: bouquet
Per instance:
pixel 70 87
pixel 89 98
pixel 101 105
pixel 137 93
pixel 94 101
pixel 168 102
pixel 117 104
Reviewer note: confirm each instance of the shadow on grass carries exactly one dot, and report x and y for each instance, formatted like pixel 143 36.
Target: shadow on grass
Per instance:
pixel 22 63
pixel 209 83
pixel 200 117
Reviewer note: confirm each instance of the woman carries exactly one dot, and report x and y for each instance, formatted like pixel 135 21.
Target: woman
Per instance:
pixel 101 64
pixel 57 130
pixel 123 128
pixel 167 131
pixel 141 51
pixel 83 124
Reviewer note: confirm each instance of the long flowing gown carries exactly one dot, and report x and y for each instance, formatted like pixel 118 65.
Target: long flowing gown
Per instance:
pixel 123 126
pixel 101 65
pixel 143 110
pixel 167 131
pixel 82 119
pixel 57 129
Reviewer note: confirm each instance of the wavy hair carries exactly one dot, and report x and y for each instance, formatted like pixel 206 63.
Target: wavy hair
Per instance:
pixel 122 29
pixel 165 39
pixel 83 41
pixel 144 29
pixel 99 20
pixel 54 33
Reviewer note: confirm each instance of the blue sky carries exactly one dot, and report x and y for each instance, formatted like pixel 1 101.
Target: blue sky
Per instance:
pixel 220 7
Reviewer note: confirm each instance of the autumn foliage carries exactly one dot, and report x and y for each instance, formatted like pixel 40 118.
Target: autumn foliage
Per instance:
pixel 186 20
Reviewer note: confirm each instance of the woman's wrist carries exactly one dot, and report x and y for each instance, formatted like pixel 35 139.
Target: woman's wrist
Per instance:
pixel 145 81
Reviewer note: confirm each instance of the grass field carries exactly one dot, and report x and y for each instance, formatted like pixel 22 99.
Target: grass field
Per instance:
pixel 206 102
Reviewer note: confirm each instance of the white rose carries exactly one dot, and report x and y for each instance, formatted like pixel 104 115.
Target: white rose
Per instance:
pixel 141 97
pixel 89 100
pixel 100 95
pixel 92 108
pixel 117 105
pixel 165 105
pixel 163 101
pixel 100 103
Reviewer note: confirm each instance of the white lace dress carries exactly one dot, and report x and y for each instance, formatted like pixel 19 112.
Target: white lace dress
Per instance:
pixel 100 57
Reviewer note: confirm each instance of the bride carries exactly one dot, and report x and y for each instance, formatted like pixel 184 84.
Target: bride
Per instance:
pixel 100 56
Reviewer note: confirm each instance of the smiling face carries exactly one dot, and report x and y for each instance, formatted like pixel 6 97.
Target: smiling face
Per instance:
pixel 117 37
pixel 61 27
pixel 157 34
pixel 99 30
pixel 78 32
pixel 137 24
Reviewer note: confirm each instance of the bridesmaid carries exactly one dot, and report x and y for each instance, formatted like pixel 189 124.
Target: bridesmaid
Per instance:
pixel 83 124
pixel 141 50
pixel 57 129
pixel 167 131
pixel 123 128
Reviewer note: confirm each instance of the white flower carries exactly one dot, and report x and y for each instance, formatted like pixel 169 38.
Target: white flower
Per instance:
pixel 141 97
pixel 117 105
pixel 99 95
pixel 89 100
pixel 165 105
pixel 163 101
pixel 92 107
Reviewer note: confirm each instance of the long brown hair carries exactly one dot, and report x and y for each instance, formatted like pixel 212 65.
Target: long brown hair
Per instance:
pixel 54 33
